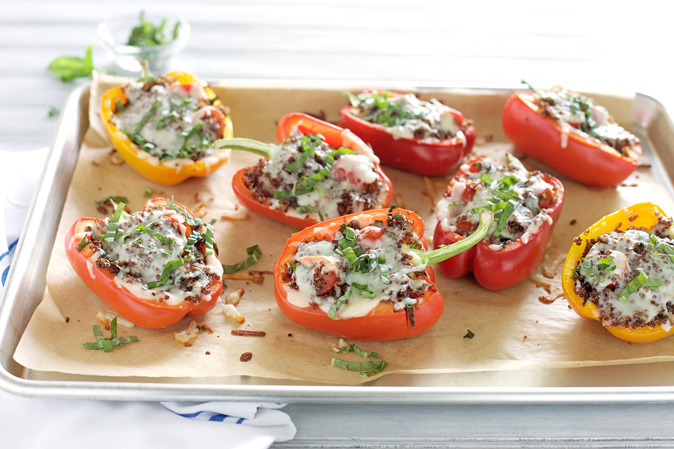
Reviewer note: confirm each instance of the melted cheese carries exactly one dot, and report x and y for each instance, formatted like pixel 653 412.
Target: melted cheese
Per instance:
pixel 401 265
pixel 645 303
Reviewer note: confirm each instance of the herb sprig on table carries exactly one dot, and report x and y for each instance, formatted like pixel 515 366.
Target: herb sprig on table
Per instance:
pixel 69 68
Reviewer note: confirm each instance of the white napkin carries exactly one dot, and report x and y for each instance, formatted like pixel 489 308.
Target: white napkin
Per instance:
pixel 167 425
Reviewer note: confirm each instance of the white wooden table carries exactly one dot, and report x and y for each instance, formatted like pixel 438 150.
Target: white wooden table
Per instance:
pixel 610 46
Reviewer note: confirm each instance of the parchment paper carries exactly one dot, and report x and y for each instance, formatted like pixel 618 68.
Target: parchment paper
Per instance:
pixel 513 328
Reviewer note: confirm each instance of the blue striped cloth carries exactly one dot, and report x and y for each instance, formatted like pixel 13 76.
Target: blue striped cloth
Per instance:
pixel 262 415
pixel 6 258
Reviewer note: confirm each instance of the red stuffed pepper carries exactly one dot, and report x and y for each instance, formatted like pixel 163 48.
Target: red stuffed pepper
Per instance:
pixel 365 276
pixel 526 207
pixel 571 134
pixel 423 137
pixel 152 267
pixel 317 172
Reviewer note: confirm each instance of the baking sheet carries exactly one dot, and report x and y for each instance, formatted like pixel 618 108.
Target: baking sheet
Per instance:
pixel 538 335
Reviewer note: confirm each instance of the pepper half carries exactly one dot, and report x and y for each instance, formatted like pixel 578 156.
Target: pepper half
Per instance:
pixel 148 165
pixel 142 312
pixel 581 158
pixel 333 135
pixel 383 322
pixel 500 268
pixel 642 215
pixel 412 155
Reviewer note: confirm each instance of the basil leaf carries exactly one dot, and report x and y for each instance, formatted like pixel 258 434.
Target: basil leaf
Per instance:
pixel 661 248
pixel 254 254
pixel 366 369
pixel 69 68
pixel 208 243
pixel 192 221
pixel 486 179
pixel 107 344
pixel 162 238
pixel 601 269
pixel 503 218
pixel 166 273
pixel 335 307
pixel 642 280
pixel 360 352
pixel 83 243
pixel 309 142
pixel 409 310
pixel 113 226
pixel 310 209
pixel 113 198
pixel 306 184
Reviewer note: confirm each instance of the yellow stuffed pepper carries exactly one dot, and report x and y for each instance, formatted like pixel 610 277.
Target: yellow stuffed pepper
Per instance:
pixel 164 126
pixel 620 272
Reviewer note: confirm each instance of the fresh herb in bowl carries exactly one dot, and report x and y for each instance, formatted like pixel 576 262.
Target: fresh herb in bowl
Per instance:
pixel 147 35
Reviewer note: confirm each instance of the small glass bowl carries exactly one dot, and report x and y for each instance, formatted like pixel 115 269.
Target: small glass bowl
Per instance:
pixel 114 34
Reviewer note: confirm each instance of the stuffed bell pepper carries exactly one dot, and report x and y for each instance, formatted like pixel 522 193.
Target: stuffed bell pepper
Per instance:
pixel 152 267
pixel 423 137
pixel 365 276
pixel 620 272
pixel 164 126
pixel 526 207
pixel 318 171
pixel 572 134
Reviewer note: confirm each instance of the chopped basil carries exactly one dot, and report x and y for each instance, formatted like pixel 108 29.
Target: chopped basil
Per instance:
pixel 107 344
pixel 409 309
pixel 601 269
pixel 254 254
pixel 306 183
pixel 642 280
pixel 388 111
pixel 146 118
pixel 162 238
pixel 113 226
pixel 335 307
pixel 309 209
pixel 308 142
pixel 83 243
pixel 503 217
pixel 114 198
pixel 486 179
pixel 53 112
pixel 190 220
pixel 119 106
pixel 208 240
pixel 166 273
pixel 661 248
pixel 148 192
pixel 360 352
pixel 457 203
pixel 366 369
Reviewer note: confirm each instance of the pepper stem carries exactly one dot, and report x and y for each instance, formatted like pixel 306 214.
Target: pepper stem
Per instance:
pixel 240 143
pixel 447 251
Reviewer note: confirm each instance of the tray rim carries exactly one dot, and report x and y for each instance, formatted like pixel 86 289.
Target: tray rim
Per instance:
pixel 67 137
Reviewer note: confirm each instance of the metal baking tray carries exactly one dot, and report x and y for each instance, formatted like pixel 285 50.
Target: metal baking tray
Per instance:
pixel 653 382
